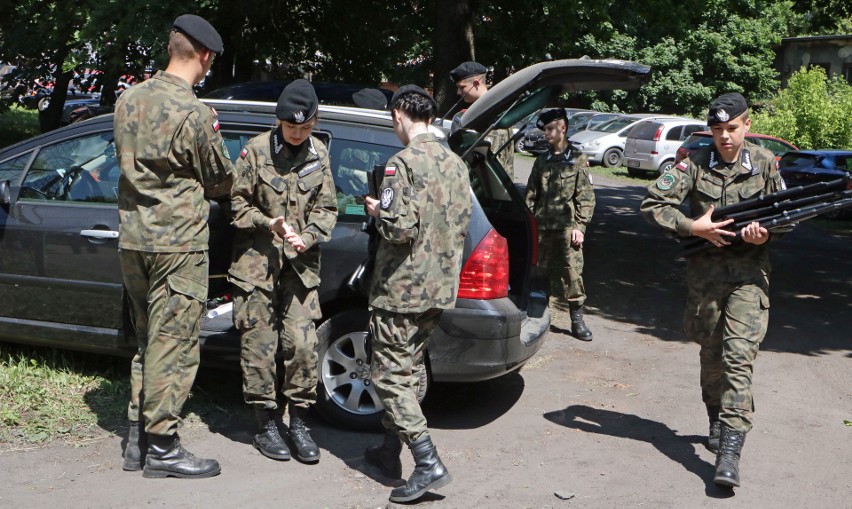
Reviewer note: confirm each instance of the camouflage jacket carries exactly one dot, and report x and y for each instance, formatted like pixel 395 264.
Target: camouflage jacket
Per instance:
pixel 424 213
pixel 560 192
pixel 271 181
pixel 705 180
pixel 172 159
pixel 497 138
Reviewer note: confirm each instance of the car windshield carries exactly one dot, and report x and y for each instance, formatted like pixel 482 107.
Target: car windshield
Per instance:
pixel 798 161
pixel 615 125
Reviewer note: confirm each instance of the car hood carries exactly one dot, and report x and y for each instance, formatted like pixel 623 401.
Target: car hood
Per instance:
pixel 531 88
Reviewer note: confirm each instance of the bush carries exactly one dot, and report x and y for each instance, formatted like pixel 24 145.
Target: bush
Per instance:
pixel 813 112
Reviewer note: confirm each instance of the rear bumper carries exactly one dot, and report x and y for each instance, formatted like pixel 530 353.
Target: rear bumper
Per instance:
pixel 480 340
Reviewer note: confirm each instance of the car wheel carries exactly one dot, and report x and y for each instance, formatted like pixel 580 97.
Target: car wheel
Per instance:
pixel 612 158
pixel 519 146
pixel 43 104
pixel 666 166
pixel 346 395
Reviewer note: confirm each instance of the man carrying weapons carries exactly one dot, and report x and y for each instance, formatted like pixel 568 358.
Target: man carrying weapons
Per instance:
pixel 727 310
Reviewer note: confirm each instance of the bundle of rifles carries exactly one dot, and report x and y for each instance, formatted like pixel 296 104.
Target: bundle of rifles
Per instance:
pixel 778 210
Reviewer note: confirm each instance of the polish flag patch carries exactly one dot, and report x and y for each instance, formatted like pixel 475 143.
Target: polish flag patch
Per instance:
pixel 244 153
pixel 681 166
pixel 390 171
pixel 215 126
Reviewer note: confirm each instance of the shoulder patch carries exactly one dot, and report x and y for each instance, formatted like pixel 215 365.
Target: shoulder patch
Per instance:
pixel 216 125
pixel 682 166
pixel 244 153
pixel 665 182
pixel 390 171
pixel 387 198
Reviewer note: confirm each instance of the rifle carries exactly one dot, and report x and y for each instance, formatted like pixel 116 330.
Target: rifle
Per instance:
pixel 359 281
pixel 777 221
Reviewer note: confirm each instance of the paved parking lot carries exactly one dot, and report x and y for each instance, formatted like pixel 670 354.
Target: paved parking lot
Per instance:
pixel 617 422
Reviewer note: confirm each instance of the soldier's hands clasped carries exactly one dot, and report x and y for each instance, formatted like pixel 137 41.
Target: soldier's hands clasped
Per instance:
pixel 285 232
pixel 754 233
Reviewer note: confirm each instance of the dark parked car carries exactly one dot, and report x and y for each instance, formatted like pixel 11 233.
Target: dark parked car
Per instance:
pixel 327 93
pixel 703 139
pixel 60 279
pixel 802 167
pixel 533 140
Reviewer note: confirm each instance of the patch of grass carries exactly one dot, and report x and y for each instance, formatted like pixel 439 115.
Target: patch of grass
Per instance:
pixel 17 124
pixel 620 173
pixel 48 394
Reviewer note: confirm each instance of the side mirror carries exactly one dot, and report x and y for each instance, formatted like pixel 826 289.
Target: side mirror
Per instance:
pixel 5 194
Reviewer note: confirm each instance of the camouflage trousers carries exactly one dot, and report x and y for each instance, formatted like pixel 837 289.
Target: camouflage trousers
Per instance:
pixel 729 321
pixel 563 264
pixel 166 292
pixel 398 341
pixel 272 322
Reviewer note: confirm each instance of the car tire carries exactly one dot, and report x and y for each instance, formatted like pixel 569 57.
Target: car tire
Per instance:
pixel 344 370
pixel 666 166
pixel 613 158
pixel 519 146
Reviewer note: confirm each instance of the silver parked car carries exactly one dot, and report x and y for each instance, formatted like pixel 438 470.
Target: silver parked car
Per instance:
pixel 651 145
pixel 605 143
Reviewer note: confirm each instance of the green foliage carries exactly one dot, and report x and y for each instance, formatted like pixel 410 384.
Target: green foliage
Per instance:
pixel 17 124
pixel 814 111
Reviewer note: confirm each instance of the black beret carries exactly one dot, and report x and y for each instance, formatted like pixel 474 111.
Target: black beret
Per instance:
pixel 371 98
pixel 199 29
pixel 413 89
pixel 549 116
pixel 726 107
pixel 466 70
pixel 298 102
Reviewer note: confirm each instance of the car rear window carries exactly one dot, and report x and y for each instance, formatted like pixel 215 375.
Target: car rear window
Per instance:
pixel 644 130
pixel 696 142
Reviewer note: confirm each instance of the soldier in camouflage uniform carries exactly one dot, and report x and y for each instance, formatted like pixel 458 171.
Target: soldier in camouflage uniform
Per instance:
pixel 284 205
pixel 422 218
pixel 470 81
pixel 561 196
pixel 727 310
pixel 172 159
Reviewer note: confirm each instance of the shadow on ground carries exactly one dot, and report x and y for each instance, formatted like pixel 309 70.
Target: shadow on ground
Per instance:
pixel 680 449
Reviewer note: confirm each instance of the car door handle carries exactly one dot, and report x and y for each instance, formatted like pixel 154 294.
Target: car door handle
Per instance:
pixel 99 234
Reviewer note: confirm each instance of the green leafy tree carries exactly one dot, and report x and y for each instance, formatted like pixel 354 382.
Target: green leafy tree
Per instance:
pixel 814 111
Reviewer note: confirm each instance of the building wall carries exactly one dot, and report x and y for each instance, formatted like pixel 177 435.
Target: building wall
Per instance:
pixel 832 54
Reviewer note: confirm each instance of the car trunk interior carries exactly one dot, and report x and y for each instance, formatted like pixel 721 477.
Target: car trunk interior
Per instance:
pixel 508 214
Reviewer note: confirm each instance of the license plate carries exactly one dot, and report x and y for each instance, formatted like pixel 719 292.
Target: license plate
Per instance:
pixel 633 163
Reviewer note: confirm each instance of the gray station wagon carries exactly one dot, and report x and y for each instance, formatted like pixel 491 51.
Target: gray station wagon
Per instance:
pixel 61 284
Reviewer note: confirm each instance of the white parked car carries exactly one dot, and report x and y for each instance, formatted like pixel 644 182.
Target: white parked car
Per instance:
pixel 605 144
pixel 652 145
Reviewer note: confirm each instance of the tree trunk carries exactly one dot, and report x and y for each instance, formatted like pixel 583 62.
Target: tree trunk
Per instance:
pixel 453 45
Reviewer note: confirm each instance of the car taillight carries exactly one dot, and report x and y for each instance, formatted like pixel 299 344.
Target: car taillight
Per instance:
pixel 486 273
pixel 658 134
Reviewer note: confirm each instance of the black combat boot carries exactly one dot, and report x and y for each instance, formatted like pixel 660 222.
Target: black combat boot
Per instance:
pixel 429 472
pixel 715 428
pixel 306 450
pixel 386 456
pixel 167 458
pixel 578 326
pixel 728 457
pixel 268 441
pixel 137 443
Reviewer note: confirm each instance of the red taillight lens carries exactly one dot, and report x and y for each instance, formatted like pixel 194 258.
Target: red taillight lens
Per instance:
pixel 486 273
pixel 658 134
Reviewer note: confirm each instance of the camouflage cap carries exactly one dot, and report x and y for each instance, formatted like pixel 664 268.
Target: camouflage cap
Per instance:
pixel 298 102
pixel 726 107
pixel 200 30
